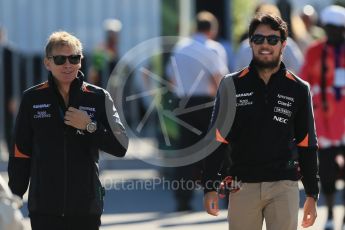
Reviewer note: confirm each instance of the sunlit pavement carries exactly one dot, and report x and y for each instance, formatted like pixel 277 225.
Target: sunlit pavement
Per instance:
pixel 186 221
pixel 152 207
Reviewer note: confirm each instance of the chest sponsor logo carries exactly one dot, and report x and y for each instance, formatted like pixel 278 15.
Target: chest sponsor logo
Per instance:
pixel 280 119
pixel 80 132
pixel 86 108
pixel 285 98
pixel 283 103
pixel 90 110
pixel 282 111
pixel 41 106
pixel 42 114
pixel 245 94
pixel 244 102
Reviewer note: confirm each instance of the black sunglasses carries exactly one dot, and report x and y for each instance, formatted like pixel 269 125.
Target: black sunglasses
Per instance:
pixel 259 39
pixel 61 59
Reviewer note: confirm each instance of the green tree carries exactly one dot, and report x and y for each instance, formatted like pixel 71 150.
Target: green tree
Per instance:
pixel 242 11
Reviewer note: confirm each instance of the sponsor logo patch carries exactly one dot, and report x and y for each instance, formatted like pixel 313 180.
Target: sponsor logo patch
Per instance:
pixel 86 108
pixel 287 104
pixel 286 97
pixel 244 102
pixel 245 94
pixel 42 114
pixel 90 110
pixel 282 111
pixel 280 119
pixel 41 106
pixel 80 132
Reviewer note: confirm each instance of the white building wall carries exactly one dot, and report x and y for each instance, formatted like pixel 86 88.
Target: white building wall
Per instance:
pixel 29 22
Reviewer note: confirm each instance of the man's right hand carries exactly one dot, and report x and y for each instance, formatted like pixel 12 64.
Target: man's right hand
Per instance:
pixel 211 203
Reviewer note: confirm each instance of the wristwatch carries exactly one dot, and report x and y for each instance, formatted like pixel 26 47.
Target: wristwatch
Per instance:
pixel 315 196
pixel 91 127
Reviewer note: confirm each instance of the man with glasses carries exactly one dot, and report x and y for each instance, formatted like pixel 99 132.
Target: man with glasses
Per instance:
pixel 292 56
pixel 272 141
pixel 60 126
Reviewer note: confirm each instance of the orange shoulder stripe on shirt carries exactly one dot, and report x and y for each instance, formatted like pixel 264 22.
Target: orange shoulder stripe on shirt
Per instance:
pixel 19 154
pixel 304 143
pixel 289 75
pixel 219 138
pixel 43 86
pixel 85 89
pixel 244 72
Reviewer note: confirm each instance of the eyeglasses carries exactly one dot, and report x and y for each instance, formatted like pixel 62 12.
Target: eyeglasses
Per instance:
pixel 61 59
pixel 259 39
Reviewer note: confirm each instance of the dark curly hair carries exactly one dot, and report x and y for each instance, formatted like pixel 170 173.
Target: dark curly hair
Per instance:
pixel 275 22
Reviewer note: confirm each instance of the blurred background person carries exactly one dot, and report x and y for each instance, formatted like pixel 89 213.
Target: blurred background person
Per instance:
pixel 7 52
pixel 310 19
pixel 105 56
pixel 292 56
pixel 103 62
pixel 285 8
pixel 324 69
pixel 196 67
pixel 305 29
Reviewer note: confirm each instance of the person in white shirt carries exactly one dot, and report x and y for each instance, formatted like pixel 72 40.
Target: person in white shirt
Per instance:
pixel 196 67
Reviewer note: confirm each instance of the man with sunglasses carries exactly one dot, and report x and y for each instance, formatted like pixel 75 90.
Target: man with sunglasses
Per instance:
pixel 61 125
pixel 272 141
pixel 292 56
pixel 324 69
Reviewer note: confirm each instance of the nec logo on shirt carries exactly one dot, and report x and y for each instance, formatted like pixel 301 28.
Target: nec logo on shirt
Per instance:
pixel 280 119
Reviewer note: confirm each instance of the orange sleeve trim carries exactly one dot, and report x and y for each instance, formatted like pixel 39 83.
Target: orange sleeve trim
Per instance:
pixel 219 138
pixel 304 143
pixel 43 86
pixel 289 75
pixel 19 154
pixel 244 72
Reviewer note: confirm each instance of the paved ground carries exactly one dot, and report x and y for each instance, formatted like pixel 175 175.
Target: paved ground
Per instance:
pixel 151 205
pixel 182 221
pixel 154 208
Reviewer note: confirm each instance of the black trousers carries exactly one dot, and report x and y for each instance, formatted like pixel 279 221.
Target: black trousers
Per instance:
pixel 329 170
pixel 45 222
pixel 199 119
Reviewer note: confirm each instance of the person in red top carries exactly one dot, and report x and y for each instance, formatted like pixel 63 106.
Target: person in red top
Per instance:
pixel 324 69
